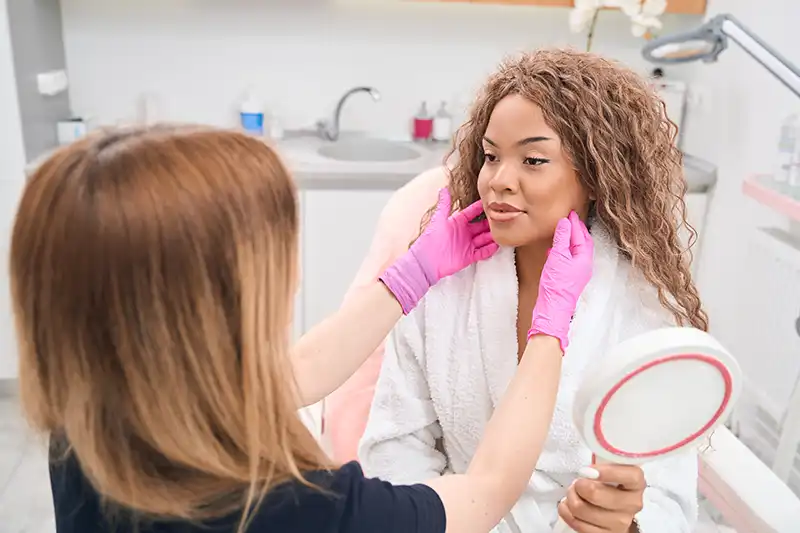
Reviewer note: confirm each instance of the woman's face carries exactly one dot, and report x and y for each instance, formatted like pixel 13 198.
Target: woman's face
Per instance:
pixel 527 182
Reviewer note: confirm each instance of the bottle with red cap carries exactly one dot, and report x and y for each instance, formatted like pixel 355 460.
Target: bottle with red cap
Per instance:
pixel 423 124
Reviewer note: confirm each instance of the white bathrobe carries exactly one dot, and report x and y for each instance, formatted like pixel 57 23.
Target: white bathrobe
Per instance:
pixel 448 363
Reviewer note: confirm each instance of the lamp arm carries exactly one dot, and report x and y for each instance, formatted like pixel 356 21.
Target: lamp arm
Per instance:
pixel 768 57
pixel 716 32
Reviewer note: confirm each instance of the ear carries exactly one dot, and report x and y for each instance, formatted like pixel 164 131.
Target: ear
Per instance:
pixel 586 208
pixel 591 193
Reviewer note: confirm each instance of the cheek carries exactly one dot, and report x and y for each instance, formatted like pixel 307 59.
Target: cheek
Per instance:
pixel 483 183
pixel 553 200
pixel 545 204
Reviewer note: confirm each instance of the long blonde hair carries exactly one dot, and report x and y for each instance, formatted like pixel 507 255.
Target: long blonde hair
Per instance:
pixel 622 144
pixel 152 274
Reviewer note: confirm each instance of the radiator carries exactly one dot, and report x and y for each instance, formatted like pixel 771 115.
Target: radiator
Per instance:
pixel 767 418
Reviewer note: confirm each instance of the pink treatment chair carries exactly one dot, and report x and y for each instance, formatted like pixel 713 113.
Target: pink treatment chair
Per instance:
pixel 347 409
pixel 748 494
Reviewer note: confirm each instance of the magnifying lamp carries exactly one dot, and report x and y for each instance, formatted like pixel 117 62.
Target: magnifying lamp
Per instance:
pixel 708 41
pixel 655 395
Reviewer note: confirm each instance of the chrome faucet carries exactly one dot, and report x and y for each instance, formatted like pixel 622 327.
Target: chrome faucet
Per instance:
pixel 330 129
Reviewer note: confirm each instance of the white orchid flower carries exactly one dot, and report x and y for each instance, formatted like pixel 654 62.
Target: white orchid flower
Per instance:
pixel 641 24
pixel 590 4
pixel 643 14
pixel 629 7
pixel 650 8
pixel 654 8
pixel 582 14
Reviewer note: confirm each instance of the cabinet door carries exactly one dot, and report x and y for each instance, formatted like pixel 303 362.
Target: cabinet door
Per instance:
pixel 337 233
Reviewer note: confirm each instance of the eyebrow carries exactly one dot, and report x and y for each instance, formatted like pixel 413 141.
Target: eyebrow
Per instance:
pixel 527 140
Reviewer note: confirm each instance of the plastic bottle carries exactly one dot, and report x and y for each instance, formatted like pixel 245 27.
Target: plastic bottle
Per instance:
pixel 787 150
pixel 148 109
pixel 442 124
pixel 794 167
pixel 251 115
pixel 276 131
pixel 423 124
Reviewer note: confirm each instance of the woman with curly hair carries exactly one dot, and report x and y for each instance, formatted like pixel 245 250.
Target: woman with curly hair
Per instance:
pixel 551 131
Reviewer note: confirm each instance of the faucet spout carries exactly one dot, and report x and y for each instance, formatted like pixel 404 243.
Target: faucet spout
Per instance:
pixel 330 129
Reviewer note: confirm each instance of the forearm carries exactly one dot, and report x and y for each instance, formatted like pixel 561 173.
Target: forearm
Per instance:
pixel 511 444
pixel 328 354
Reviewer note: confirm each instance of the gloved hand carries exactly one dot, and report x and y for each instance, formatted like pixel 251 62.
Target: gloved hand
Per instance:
pixel 566 272
pixel 448 244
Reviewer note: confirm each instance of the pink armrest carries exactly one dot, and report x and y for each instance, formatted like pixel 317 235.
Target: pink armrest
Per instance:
pixel 748 494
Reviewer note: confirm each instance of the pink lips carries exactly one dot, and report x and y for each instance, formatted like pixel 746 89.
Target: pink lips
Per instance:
pixel 502 212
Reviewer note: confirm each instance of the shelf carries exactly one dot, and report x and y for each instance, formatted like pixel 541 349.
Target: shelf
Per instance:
pixel 760 189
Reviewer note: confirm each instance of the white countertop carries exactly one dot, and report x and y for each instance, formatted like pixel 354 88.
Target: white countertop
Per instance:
pixel 314 171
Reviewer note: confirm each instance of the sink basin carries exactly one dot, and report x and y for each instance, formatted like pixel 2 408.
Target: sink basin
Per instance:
pixel 370 150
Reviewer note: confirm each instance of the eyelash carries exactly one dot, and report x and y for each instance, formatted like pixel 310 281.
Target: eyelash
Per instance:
pixel 532 161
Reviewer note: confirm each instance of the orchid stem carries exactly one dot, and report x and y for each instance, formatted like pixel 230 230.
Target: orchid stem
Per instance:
pixel 590 35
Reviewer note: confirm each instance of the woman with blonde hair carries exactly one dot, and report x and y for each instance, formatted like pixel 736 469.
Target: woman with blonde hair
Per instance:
pixel 152 276
pixel 551 131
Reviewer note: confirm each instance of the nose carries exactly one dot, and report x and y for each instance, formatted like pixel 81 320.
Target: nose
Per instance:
pixel 505 178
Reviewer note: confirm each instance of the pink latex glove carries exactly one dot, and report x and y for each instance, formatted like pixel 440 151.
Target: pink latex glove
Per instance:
pixel 448 244
pixel 566 272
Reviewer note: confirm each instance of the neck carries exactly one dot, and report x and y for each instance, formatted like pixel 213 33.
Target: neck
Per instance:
pixel 530 262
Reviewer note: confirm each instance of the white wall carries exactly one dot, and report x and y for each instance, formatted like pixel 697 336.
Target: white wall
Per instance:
pixel 737 127
pixel 12 155
pixel 12 162
pixel 199 55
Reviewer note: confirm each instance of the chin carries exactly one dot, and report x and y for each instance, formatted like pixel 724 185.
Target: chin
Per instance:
pixel 516 235
pixel 507 237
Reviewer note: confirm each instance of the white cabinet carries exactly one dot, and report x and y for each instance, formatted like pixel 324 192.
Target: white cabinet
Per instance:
pixel 338 226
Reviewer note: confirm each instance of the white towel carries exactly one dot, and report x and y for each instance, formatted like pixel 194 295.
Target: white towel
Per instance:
pixel 448 363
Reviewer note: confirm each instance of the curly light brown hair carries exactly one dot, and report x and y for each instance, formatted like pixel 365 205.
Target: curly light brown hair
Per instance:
pixel 622 145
